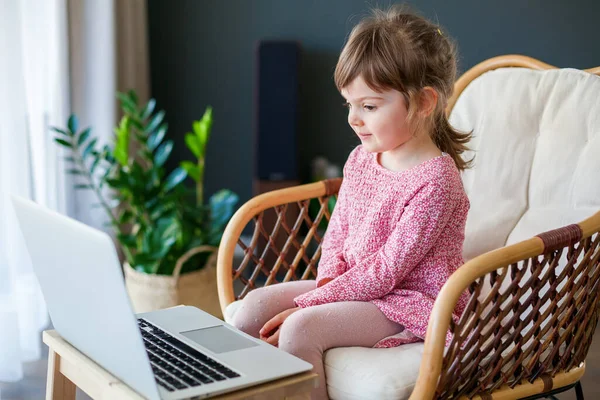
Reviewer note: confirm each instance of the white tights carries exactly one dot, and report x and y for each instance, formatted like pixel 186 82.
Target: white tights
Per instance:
pixel 309 332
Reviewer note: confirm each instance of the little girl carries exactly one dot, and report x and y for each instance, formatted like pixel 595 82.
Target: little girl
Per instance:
pixel 397 230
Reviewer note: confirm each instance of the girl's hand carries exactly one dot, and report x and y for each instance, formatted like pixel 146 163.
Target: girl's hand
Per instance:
pixel 270 332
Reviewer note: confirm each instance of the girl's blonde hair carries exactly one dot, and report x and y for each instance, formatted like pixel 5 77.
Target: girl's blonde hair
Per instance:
pixel 400 50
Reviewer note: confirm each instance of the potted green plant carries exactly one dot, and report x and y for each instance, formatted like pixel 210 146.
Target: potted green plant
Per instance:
pixel 166 231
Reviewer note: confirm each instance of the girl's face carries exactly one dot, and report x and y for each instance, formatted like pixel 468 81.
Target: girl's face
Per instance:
pixel 378 118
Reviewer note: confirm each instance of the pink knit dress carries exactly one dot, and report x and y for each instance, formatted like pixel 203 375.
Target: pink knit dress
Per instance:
pixel 394 239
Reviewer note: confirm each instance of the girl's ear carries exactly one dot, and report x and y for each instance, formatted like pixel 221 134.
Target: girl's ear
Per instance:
pixel 428 98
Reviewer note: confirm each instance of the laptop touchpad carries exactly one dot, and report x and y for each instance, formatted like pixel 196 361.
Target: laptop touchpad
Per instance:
pixel 219 339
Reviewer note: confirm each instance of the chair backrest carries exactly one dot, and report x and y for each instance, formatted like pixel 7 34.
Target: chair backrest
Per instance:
pixel 533 310
pixel 536 146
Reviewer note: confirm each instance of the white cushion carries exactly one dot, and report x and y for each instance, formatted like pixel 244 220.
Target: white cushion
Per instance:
pixel 365 373
pixel 536 145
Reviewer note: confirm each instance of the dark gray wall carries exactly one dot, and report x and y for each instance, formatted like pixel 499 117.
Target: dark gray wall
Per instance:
pixel 202 52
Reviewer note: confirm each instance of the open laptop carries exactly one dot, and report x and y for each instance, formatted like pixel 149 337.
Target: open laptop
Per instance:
pixel 177 353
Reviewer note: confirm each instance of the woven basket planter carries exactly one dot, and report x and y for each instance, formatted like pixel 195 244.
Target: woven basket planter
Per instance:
pixel 150 292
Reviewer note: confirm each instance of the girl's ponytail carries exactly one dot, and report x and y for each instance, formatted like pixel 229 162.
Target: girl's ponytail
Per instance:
pixel 451 141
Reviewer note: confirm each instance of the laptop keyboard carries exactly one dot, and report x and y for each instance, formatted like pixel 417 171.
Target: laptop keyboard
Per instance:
pixel 176 365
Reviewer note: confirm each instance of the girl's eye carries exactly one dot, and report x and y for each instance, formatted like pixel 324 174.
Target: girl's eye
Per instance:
pixel 369 107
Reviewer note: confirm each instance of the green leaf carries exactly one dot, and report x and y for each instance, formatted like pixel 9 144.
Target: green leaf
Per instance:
pixel 83 186
pixel 83 136
pixel 136 124
pixel 145 258
pixel 133 97
pixel 146 263
pixel 116 183
pixel 63 142
pixel 125 217
pixel 137 180
pixel 222 206
pixel 157 136
pixel 106 150
pixel 208 117
pixel 155 121
pixel 193 144
pixel 127 240
pixel 151 203
pixel 61 131
pixel 121 156
pixel 95 164
pixel 163 152
pixel 75 171
pixel 108 156
pixel 157 242
pixel 175 178
pixel 158 211
pixel 89 148
pixel 127 104
pixel 121 151
pixel 72 123
pixel 147 111
pixel 168 234
pixel 162 210
pixel 203 128
pixel 155 177
pixel 192 170
pixel 69 158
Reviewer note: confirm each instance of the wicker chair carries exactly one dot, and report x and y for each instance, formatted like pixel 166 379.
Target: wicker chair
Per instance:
pixel 533 296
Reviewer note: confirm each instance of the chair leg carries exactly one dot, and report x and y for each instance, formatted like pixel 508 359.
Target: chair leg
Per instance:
pixel 578 391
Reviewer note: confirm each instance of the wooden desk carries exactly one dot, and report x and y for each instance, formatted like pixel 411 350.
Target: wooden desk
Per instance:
pixel 68 369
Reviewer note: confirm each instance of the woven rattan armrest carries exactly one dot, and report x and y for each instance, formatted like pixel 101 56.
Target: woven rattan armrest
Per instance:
pixel 300 234
pixel 516 339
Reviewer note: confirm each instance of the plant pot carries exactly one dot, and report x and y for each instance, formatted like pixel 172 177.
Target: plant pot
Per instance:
pixel 150 292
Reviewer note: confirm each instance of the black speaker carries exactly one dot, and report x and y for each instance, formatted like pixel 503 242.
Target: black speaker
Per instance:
pixel 276 102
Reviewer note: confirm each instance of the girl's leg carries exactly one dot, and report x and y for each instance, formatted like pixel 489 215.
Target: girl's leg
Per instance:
pixel 260 305
pixel 309 332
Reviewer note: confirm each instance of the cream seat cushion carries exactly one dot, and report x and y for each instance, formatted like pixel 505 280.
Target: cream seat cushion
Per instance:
pixel 537 167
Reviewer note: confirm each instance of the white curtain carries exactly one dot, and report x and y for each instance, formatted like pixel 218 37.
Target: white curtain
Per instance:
pixel 58 57
pixel 33 96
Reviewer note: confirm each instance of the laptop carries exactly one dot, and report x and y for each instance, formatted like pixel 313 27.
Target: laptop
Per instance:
pixel 176 353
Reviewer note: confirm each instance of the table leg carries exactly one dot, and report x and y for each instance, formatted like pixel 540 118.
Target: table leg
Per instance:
pixel 58 387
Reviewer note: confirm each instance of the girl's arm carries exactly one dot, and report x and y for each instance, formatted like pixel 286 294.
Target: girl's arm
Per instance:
pixel 332 263
pixel 418 229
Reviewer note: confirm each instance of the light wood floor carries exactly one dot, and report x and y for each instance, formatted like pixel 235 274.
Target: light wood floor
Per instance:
pixel 33 387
